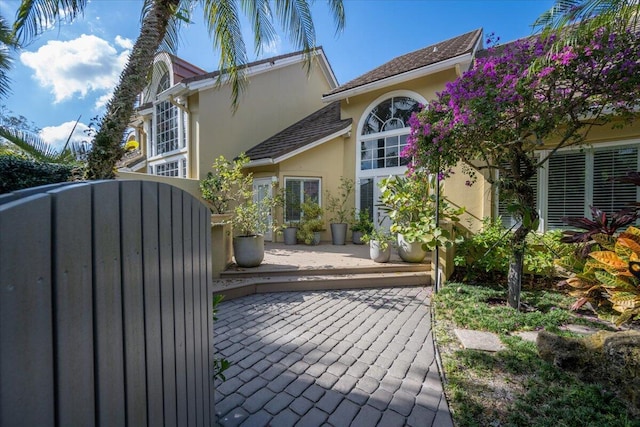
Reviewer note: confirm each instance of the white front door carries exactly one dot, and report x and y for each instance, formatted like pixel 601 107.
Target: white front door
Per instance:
pixel 262 188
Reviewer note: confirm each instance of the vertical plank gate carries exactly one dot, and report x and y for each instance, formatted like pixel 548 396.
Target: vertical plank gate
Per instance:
pixel 105 306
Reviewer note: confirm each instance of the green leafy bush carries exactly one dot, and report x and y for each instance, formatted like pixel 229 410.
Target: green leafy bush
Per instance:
pixel 17 173
pixel 485 255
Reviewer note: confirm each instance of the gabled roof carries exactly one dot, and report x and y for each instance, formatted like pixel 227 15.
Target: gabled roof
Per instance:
pixel 313 130
pixel 419 61
pixel 183 70
pixel 267 61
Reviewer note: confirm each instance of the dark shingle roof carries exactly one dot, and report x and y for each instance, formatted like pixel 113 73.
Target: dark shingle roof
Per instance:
pixel 312 128
pixel 429 55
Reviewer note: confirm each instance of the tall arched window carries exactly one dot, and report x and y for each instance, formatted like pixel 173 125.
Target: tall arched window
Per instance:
pixel 384 133
pixel 166 121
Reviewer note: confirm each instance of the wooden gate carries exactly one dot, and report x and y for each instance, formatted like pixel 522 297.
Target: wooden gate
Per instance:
pixel 105 306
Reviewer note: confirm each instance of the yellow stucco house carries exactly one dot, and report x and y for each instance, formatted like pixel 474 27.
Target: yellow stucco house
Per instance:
pixel 304 132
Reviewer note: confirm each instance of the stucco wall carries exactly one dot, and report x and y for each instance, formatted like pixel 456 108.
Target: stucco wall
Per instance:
pixel 272 102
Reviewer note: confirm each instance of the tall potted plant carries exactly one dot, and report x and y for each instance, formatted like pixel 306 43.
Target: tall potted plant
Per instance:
pixel 229 190
pixel 410 202
pixel 338 207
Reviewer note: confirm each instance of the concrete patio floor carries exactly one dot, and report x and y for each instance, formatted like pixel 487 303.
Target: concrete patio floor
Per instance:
pixel 361 357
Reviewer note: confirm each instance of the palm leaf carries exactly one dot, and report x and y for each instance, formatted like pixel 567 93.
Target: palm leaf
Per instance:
pixel 223 23
pixel 34 16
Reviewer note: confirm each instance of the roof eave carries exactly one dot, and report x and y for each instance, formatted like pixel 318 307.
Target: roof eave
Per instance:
pixel 307 147
pixel 400 78
pixel 293 153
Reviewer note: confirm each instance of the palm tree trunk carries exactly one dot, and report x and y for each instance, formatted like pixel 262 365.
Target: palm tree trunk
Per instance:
pixel 107 144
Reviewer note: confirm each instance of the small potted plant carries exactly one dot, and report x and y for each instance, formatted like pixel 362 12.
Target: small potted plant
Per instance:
pixel 290 228
pixel 311 223
pixel 380 242
pixel 338 207
pixel 361 226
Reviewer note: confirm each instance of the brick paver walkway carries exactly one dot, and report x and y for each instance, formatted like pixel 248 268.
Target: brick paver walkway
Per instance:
pixel 335 358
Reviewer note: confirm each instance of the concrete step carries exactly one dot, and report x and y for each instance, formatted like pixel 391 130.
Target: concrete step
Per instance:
pixel 242 286
pixel 240 273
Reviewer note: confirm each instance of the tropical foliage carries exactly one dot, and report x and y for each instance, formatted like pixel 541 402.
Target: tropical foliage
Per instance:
pixel 19 172
pixel 410 203
pixel 495 117
pixel 609 275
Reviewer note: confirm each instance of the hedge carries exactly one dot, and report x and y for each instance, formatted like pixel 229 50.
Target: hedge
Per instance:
pixel 17 173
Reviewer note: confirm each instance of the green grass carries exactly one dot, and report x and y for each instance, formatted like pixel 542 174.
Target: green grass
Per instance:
pixel 515 387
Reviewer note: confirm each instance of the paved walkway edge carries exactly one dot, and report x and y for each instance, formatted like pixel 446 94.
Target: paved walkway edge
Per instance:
pixel 444 417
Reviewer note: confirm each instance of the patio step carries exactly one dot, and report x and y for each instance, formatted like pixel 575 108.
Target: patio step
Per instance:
pixel 235 272
pixel 241 286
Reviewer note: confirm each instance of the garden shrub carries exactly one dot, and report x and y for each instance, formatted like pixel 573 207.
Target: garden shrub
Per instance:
pixel 17 173
pixel 485 255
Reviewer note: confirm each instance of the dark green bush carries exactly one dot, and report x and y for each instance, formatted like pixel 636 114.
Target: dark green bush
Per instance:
pixel 485 255
pixel 17 173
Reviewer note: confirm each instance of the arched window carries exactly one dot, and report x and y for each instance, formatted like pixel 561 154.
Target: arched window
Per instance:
pixel 384 133
pixel 166 121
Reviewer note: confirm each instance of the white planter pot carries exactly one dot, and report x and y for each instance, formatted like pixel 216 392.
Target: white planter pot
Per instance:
pixel 410 251
pixel 248 250
pixel 377 254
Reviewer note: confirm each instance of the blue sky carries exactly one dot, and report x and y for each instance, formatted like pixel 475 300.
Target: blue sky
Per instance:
pixel 71 70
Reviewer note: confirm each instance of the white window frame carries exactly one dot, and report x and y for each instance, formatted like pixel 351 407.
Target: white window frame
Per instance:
pixel 302 179
pixel 373 173
pixel 153 166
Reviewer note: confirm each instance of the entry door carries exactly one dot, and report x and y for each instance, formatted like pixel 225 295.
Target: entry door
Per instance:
pixel 370 200
pixel 261 189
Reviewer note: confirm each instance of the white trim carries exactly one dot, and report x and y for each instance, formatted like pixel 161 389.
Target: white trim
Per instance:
pixel 302 178
pixel 393 94
pixel 466 58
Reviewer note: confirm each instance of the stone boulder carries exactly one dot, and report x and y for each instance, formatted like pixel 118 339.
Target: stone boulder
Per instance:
pixel 611 359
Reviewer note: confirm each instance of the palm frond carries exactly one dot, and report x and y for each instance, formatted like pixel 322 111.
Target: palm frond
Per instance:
pixel 259 12
pixel 296 20
pixel 337 9
pixel 30 144
pixel 7 43
pixel 223 22
pixel 35 16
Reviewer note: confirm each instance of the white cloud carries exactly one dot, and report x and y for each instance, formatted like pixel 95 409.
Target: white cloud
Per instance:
pixel 124 43
pixel 101 102
pixel 76 67
pixel 273 48
pixel 57 135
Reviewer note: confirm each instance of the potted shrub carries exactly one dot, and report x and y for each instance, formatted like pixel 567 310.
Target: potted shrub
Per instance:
pixel 311 223
pixel 380 242
pixel 362 225
pixel 229 190
pixel 410 203
pixel 338 207
pixel 290 233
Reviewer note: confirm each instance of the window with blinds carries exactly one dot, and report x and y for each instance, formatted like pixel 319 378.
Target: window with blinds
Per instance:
pixel 578 179
pixel 608 195
pixel 566 187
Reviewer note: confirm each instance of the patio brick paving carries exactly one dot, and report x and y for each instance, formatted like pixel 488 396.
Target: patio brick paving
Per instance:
pixel 337 358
